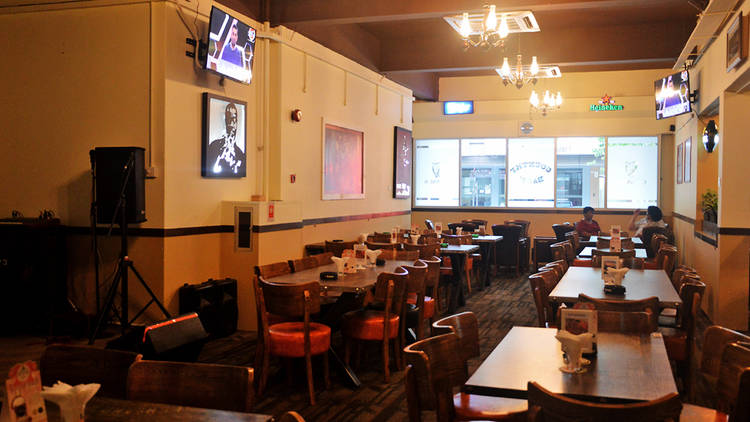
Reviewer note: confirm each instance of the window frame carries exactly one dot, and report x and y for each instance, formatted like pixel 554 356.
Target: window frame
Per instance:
pixel 555 208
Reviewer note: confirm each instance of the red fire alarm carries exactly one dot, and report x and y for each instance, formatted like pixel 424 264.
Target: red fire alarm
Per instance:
pixel 292 178
pixel 271 210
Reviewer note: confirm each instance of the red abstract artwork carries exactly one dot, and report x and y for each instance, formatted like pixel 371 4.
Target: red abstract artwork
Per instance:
pixel 343 163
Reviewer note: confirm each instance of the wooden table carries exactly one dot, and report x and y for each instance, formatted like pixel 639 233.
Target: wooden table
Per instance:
pixel 626 368
pixel 102 409
pixel 588 252
pixel 458 254
pixel 639 284
pixel 637 242
pixel 488 246
pixel 358 282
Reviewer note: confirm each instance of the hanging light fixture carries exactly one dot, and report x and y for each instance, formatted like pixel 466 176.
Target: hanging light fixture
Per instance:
pixel 548 103
pixel 710 136
pixel 520 75
pixel 490 28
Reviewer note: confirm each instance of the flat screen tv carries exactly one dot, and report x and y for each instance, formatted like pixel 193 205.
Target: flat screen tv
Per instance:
pixel 231 46
pixel 672 95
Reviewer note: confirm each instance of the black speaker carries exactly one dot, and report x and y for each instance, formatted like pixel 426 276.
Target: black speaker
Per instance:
pixel 215 301
pixel 180 339
pixel 110 169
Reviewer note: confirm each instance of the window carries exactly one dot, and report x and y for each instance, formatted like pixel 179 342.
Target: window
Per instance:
pixel 633 172
pixel 483 172
pixel 436 172
pixel 580 172
pixel 565 172
pixel 530 172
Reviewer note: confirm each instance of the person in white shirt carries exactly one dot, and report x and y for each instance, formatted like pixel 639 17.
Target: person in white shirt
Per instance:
pixel 653 218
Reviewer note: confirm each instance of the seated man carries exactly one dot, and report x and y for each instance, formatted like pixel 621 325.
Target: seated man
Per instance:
pixel 588 226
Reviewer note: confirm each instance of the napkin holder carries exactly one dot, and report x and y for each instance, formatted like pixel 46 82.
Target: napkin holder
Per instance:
pixel 380 262
pixel 329 276
pixel 614 289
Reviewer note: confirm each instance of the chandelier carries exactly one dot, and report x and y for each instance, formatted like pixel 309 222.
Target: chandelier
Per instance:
pixel 487 30
pixel 520 75
pixel 549 102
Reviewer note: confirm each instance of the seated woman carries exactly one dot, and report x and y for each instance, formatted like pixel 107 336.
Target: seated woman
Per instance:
pixel 588 226
pixel 652 219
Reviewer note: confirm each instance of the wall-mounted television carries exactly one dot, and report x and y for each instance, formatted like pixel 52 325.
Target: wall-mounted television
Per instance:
pixel 458 107
pixel 231 46
pixel 672 95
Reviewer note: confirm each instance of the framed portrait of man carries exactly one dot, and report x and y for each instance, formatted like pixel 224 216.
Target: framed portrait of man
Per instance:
pixel 224 141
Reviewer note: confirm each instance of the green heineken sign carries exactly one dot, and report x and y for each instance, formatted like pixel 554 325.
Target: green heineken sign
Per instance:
pixel 607 103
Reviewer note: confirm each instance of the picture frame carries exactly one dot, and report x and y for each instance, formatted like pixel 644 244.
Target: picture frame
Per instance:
pixel 687 166
pixel 402 163
pixel 735 42
pixel 680 159
pixel 343 170
pixel 224 140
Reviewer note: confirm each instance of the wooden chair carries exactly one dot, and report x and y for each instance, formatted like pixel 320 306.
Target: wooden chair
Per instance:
pixel 303 263
pixel 541 285
pixel 379 237
pixel 471 264
pixel 415 299
pixel 710 363
pixel 627 254
pixel 560 267
pixel 509 250
pixel 273 270
pixel 290 416
pixel 665 259
pixel 383 245
pixel 476 221
pixel 545 405
pixel 563 250
pixel 541 250
pixel 466 327
pixel 647 233
pixel 732 387
pixel 425 250
pixel 561 229
pixel 432 299
pixel 680 274
pixel 649 305
pixel 466 228
pixel 575 239
pixel 84 365
pixel 297 339
pixel 338 247
pixel 434 369
pixel 377 325
pixel 205 385
pixel 394 255
pixel 324 258
pixel 624 322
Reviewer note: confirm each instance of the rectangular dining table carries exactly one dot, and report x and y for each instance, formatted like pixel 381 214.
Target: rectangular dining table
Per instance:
pixel 488 246
pixel 458 254
pixel 588 252
pixel 626 368
pixel 639 284
pixel 104 409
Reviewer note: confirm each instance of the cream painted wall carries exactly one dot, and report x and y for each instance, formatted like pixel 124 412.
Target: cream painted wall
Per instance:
pixel 684 193
pixel 74 79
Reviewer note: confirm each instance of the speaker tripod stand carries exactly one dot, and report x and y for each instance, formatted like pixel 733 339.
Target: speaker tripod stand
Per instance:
pixel 124 265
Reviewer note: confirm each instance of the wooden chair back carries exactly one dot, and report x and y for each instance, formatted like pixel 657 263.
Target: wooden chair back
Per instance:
pixel 624 322
pixel 718 337
pixel 679 275
pixel 647 234
pixel 666 258
pixel 465 227
pixel 558 252
pixel 415 285
pixel 691 293
pixel 542 284
pixel 560 266
pixel 205 385
pixel 523 223
pixel 561 229
pixel 273 270
pixel 436 368
pixel 466 327
pixel 425 250
pixel 568 252
pixel 476 221
pixel 380 237
pixel 575 239
pixel 84 365
pixel 303 263
pixel 395 255
pixel 649 305
pixel 602 243
pixel 394 297
pixel 290 416
pixel 735 360
pixel 453 239
pixel 547 406
pixel 324 258
pixel 338 247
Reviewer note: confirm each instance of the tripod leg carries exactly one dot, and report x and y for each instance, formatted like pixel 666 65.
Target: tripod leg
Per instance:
pixel 148 289
pixel 107 305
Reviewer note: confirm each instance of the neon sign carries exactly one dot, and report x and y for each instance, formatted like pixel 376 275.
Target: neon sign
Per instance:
pixel 606 103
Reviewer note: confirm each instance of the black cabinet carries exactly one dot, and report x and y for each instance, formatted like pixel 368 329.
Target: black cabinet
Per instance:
pixel 32 275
